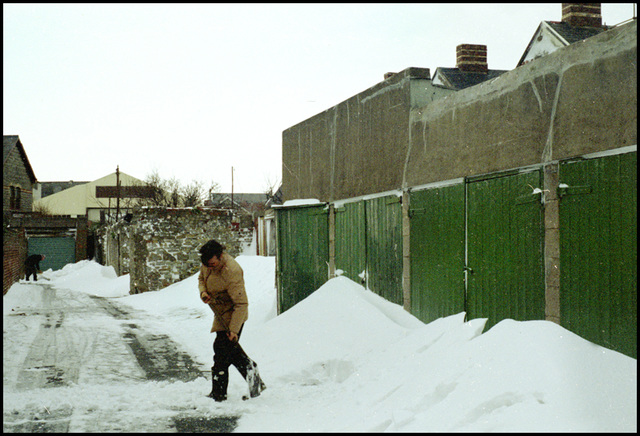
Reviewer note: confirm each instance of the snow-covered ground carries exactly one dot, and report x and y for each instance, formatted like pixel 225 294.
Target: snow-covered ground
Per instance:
pixel 345 359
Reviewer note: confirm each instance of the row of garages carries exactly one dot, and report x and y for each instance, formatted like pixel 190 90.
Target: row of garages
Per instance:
pixel 526 244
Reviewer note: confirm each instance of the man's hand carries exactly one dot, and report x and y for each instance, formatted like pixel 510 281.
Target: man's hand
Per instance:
pixel 232 336
pixel 205 297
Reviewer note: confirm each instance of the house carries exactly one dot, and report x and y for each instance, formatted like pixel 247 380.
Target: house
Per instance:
pixel 579 22
pixel 18 178
pixel 471 68
pixel 86 199
pixel 62 239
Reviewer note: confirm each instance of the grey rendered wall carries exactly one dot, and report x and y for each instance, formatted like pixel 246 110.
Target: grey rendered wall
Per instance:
pixel 406 132
pixel 340 152
pixel 578 100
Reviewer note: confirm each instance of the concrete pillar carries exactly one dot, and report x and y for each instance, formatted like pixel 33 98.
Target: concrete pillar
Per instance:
pixel 551 244
pixel 406 252
pixel 332 241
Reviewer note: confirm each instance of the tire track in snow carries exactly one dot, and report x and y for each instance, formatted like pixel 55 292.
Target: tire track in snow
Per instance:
pixel 68 349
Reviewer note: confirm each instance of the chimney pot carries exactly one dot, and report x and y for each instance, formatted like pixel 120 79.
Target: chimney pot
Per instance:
pixel 582 14
pixel 472 57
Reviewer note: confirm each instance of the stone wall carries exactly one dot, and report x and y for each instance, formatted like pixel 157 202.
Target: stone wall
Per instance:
pixel 159 246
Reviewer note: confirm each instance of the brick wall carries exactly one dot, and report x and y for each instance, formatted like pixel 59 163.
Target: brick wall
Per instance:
pixel 14 252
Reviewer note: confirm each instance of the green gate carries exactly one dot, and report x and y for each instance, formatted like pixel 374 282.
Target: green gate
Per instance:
pixel 384 247
pixel 302 252
pixel 598 250
pixel 59 251
pixel 437 251
pixel 350 240
pixel 505 242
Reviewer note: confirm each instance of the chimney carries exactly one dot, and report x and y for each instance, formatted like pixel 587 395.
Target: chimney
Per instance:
pixel 582 14
pixel 472 57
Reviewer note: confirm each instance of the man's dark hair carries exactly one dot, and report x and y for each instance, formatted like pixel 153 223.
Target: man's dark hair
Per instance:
pixel 210 249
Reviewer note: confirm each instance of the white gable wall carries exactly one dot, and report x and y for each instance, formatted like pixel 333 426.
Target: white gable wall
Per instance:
pixel 79 200
pixel 545 41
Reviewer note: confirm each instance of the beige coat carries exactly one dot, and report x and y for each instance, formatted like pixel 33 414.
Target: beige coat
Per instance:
pixel 225 286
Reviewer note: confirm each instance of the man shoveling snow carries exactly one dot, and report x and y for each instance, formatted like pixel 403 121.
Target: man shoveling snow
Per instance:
pixel 221 285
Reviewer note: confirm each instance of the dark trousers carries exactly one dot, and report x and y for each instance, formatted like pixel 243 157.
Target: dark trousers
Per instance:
pixel 30 269
pixel 227 353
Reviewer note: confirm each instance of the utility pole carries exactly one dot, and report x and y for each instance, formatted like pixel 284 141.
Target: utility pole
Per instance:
pixel 117 192
pixel 232 204
pixel 118 211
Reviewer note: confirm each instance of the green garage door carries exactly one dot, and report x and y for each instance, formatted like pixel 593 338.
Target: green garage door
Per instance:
pixel 384 247
pixel 505 240
pixel 437 251
pixel 350 240
pixel 598 250
pixel 58 251
pixel 302 256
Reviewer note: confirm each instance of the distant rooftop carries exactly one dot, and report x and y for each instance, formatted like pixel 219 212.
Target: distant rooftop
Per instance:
pixel 454 78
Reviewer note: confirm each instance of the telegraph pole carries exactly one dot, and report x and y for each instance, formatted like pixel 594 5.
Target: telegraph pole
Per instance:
pixel 117 192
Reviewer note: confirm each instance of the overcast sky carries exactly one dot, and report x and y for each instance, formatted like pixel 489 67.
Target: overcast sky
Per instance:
pixel 192 90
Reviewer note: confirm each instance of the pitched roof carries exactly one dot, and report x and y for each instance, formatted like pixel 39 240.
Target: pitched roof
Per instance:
pixel 9 143
pixel 573 34
pixel 564 33
pixel 49 188
pixel 457 79
pixel 239 197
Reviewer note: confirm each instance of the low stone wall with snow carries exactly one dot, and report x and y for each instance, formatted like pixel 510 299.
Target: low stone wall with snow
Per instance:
pixel 159 246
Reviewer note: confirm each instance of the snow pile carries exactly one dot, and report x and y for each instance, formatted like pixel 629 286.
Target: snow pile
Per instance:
pixel 375 367
pixel 89 277
pixel 345 359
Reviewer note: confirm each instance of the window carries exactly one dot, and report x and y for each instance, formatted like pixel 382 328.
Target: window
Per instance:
pixel 14 202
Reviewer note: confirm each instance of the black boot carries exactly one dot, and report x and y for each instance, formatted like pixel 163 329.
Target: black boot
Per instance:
pixel 219 383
